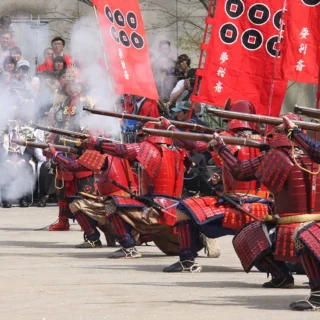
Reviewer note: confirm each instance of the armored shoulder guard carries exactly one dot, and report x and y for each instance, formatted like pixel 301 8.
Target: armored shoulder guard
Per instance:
pixel 274 170
pixel 150 158
pixel 93 160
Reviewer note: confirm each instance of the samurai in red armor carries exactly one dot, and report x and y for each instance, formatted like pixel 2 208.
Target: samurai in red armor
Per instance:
pixel 92 173
pixel 290 171
pixel 218 216
pixel 160 183
pixel 67 115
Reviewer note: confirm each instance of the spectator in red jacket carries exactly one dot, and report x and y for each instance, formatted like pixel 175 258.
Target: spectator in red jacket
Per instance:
pixel 145 107
pixel 47 54
pixel 57 45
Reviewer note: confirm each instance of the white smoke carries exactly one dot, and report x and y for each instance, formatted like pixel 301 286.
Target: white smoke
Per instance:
pixel 16 181
pixel 87 50
pixel 17 109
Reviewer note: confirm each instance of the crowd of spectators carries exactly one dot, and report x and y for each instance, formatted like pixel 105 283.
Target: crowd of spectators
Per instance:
pixel 39 92
pixel 27 96
pixel 175 81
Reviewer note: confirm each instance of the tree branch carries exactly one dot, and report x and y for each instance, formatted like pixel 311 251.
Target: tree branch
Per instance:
pixel 88 2
pixel 205 3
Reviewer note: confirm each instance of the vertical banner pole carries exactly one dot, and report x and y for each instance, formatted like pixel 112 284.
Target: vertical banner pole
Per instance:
pixel 195 88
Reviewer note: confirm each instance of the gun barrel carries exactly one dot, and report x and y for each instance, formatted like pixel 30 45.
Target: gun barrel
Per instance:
pixel 127 116
pixel 204 137
pixel 68 133
pixel 73 134
pixel 262 119
pixel 39 145
pixel 310 112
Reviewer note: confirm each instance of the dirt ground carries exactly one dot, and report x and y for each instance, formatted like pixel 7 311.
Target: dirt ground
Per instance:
pixel 44 278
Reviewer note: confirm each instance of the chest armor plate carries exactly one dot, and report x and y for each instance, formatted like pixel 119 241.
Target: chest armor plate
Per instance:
pixel 169 178
pixel 118 170
pixel 301 190
pixel 247 187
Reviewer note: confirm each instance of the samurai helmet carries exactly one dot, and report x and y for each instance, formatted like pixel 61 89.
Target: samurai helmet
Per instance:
pixel 160 140
pixel 243 106
pixel 73 75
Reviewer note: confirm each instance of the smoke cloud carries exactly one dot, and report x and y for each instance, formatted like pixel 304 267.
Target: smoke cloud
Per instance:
pixel 86 48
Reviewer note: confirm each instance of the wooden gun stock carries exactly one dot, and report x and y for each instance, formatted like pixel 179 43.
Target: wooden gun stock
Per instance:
pixel 39 145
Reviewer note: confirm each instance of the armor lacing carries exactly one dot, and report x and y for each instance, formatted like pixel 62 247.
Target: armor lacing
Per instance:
pixel 131 252
pixel 194 268
pixel 315 294
pixel 92 242
pixel 300 167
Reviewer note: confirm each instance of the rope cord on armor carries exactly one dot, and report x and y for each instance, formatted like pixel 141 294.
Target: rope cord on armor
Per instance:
pixel 238 195
pixel 55 181
pixel 183 177
pixel 316 294
pixel 300 167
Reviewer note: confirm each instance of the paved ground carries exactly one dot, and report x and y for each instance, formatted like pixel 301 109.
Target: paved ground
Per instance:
pixel 44 278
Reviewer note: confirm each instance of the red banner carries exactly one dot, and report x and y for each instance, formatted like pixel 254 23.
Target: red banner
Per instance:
pixel 126 48
pixel 241 59
pixel 301 41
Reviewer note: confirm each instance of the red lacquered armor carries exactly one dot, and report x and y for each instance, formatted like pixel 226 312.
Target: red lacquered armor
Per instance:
pixel 168 180
pixel 296 194
pixel 218 161
pixel 242 106
pixel 118 170
pixel 247 187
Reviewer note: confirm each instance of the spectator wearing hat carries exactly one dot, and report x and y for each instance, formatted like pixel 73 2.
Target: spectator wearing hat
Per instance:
pixel 182 112
pixel 24 88
pixel 23 68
